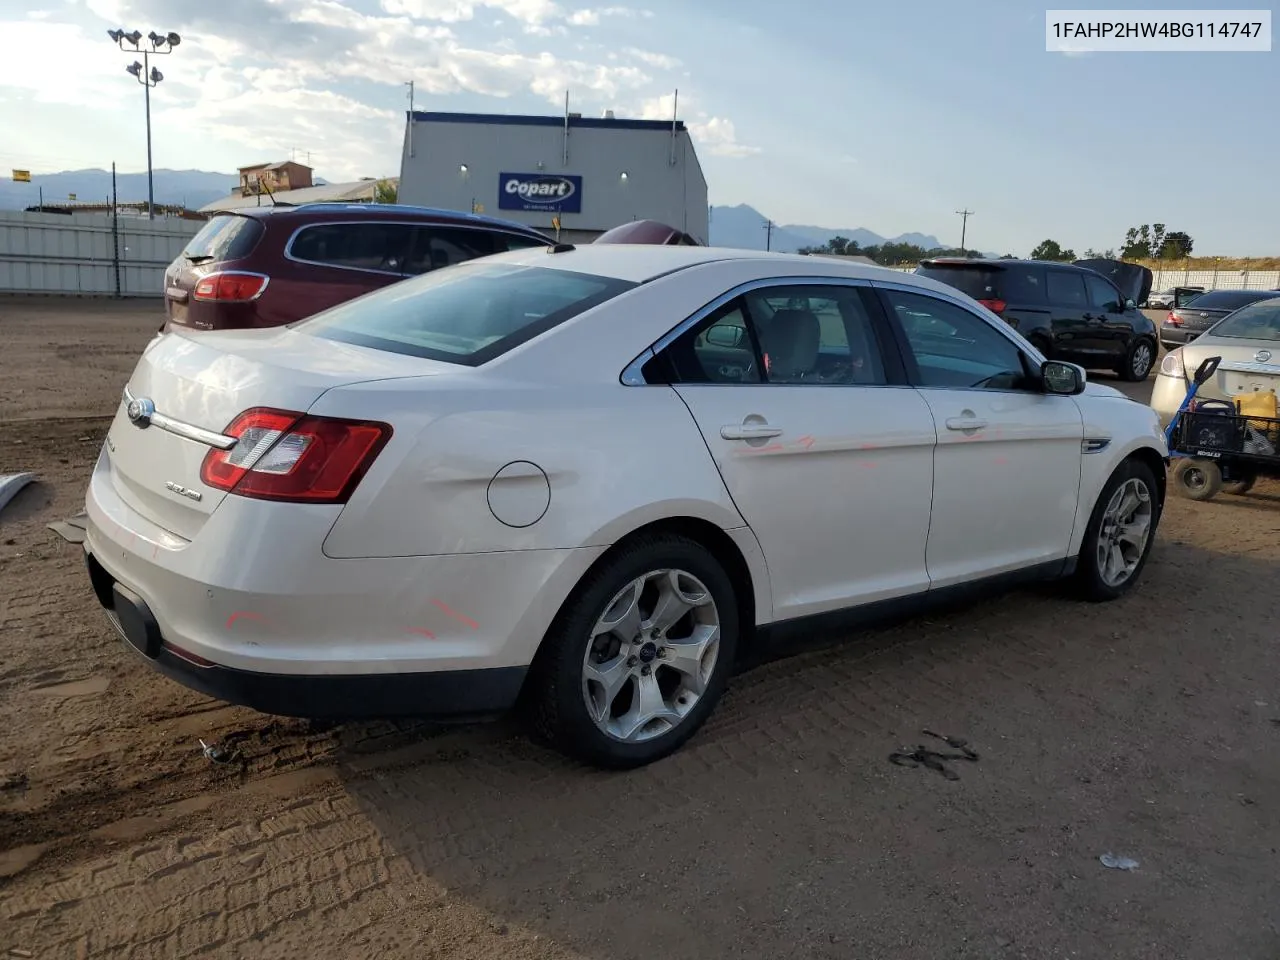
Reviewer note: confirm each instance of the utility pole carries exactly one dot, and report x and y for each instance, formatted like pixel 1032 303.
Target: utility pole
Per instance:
pixel 964 224
pixel 768 234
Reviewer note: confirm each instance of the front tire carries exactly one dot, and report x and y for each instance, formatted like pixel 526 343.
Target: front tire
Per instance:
pixel 1138 360
pixel 1121 531
pixel 639 655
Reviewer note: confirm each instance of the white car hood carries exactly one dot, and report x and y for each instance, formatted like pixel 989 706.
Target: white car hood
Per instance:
pixel 1102 390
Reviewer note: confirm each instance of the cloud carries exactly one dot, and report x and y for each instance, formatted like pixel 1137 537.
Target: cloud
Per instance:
pixel 659 60
pixel 713 135
pixel 265 76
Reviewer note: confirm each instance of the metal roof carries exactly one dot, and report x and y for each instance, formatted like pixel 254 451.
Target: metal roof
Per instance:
pixel 329 192
pixel 516 120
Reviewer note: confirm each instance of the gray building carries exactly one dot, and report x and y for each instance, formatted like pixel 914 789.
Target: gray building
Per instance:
pixel 591 173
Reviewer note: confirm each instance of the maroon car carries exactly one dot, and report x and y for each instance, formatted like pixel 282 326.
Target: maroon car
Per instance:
pixel 269 266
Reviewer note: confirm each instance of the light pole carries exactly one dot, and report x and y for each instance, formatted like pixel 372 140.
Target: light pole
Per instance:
pixel 148 76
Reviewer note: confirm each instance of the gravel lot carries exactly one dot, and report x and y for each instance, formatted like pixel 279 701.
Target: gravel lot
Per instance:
pixel 1147 728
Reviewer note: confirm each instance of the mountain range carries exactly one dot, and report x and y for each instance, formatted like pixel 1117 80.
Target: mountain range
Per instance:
pixel 192 188
pixel 743 227
pixel 740 226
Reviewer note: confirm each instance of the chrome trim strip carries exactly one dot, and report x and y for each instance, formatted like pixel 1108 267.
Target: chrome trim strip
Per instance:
pixel 1266 369
pixel 288 246
pixel 632 377
pixel 188 431
pixel 1094 444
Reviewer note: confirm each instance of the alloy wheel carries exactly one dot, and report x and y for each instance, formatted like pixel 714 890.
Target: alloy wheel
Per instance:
pixel 1125 530
pixel 1141 365
pixel 651 655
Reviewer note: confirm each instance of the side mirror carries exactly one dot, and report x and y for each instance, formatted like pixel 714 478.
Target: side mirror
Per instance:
pixel 1207 370
pixel 726 336
pixel 1062 378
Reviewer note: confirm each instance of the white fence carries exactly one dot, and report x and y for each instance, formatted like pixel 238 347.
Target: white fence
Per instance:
pixel 1209 279
pixel 80 255
pixel 1217 279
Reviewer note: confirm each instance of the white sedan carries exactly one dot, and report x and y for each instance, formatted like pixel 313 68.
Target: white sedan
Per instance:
pixel 590 477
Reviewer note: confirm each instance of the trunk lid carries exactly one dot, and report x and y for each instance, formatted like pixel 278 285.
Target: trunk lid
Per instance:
pixel 1134 280
pixel 204 382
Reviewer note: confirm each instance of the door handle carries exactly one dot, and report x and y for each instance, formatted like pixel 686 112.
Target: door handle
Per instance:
pixel 965 423
pixel 749 431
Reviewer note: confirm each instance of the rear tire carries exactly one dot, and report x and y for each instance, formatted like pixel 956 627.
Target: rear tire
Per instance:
pixel 614 656
pixel 1196 478
pixel 1238 488
pixel 1121 531
pixel 1138 360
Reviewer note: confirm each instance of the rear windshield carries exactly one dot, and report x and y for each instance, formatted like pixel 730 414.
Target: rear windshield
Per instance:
pixel 1259 321
pixel 1022 284
pixel 469 313
pixel 224 237
pixel 1225 299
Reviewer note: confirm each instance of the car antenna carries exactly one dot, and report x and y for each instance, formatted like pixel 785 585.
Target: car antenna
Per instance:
pixel 270 196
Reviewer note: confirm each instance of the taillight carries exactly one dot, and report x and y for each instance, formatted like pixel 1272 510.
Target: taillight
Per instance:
pixel 995 306
pixel 281 455
pixel 1173 319
pixel 230 286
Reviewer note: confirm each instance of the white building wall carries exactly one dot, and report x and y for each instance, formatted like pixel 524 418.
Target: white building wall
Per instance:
pixel 456 164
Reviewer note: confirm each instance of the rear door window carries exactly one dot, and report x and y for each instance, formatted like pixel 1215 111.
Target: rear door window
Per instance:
pixel 372 246
pixel 224 237
pixel 1066 289
pixel 1023 285
pixel 502 242
pixel 436 246
pixel 1103 295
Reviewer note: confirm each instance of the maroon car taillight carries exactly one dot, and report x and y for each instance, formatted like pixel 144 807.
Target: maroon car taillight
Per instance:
pixel 1173 319
pixel 294 457
pixel 231 286
pixel 996 306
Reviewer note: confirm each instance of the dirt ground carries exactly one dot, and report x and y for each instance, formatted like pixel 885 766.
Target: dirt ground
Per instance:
pixel 1147 728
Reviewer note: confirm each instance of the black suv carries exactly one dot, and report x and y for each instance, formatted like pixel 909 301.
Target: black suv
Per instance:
pixel 1069 312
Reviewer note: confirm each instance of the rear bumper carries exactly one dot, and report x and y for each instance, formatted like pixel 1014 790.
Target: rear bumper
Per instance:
pixel 449 694
pixel 1177 336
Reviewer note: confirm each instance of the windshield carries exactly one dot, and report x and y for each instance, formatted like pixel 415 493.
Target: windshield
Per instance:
pixel 225 237
pixel 1258 321
pixel 468 313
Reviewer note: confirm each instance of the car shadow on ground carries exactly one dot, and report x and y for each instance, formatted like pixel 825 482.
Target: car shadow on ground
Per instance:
pixel 1143 727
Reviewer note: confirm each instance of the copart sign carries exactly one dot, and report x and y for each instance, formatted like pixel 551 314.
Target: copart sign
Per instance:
pixel 558 193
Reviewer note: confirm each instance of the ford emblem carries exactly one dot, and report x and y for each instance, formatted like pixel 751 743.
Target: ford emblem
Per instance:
pixel 140 411
pixel 1262 356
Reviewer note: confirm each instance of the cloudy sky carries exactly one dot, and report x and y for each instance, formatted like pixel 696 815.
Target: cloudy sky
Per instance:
pixel 847 113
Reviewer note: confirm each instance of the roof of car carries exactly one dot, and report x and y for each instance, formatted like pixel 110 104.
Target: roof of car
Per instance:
pixel 383 211
pixel 1000 262
pixel 641 262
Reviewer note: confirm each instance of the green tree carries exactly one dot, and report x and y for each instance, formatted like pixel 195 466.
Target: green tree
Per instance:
pixel 1052 250
pixel 385 191
pixel 1176 246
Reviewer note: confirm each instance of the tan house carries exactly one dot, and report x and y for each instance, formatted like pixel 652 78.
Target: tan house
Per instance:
pixel 274 177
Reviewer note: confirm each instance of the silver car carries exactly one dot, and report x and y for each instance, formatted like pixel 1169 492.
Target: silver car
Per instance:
pixel 1248 341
